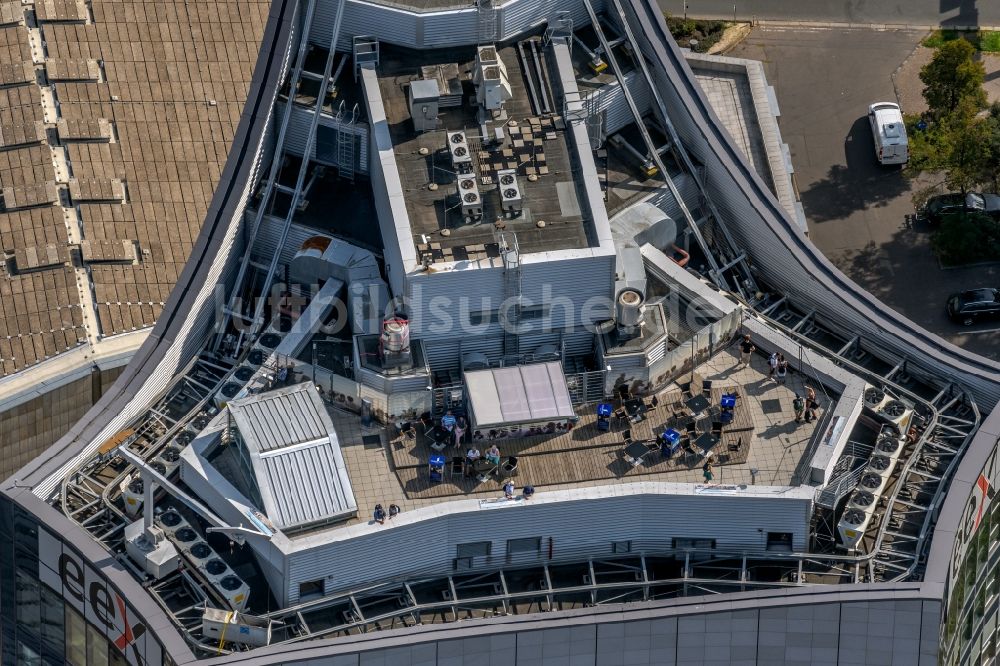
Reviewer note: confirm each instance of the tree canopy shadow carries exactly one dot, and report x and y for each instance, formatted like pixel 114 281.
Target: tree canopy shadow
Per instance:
pixel 863 183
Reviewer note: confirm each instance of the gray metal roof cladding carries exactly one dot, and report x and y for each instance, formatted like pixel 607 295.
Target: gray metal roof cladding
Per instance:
pixel 519 394
pixel 296 457
pixel 281 418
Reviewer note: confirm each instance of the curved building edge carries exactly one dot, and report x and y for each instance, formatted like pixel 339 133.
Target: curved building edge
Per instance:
pixel 770 238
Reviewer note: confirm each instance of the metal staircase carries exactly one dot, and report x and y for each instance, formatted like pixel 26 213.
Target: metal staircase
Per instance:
pixel 486 22
pixel 510 309
pixel 346 139
pixel 267 200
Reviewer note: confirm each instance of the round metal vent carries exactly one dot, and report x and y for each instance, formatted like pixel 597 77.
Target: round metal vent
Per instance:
pixel 183 438
pixel 510 194
pixel 888 445
pixel 231 583
pixel 171 454
pixel 230 389
pixel 630 297
pixel 461 151
pixel 874 396
pixel 215 567
pixel 871 481
pixel 862 498
pixel 243 373
pixel 158 466
pixel 256 357
pixel 879 463
pixel 854 517
pixel 894 408
pixel 186 535
pixel 135 486
pixel 199 422
pixel 284 324
pixel 467 184
pixel 170 518
pixel 201 550
pixel 506 179
pixel 457 138
pixel 471 197
pixel 270 340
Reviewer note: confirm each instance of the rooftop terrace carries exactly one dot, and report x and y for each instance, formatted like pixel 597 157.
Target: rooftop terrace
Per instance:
pixel 394 468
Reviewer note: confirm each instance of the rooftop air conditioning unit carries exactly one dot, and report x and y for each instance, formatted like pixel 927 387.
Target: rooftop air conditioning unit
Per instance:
pixel 895 412
pixel 171 459
pixel 215 570
pixel 511 201
pixel 461 156
pixel 170 521
pixel 874 398
pixel 236 592
pixel 468 194
pixel 882 466
pixel 872 482
pixel 888 445
pixel 198 552
pixel 857 516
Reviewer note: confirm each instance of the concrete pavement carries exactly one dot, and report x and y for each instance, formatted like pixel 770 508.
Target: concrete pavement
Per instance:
pixel 857 210
pixel 898 12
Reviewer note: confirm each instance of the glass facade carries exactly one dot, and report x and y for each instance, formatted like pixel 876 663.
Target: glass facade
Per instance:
pixel 970 630
pixel 39 623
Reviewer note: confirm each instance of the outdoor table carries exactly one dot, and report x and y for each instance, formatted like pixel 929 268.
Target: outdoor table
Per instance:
pixel 698 404
pixel 440 436
pixel 483 468
pixel 705 443
pixel 635 452
pixel 635 407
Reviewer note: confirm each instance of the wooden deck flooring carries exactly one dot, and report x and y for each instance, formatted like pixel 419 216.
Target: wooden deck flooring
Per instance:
pixel 582 454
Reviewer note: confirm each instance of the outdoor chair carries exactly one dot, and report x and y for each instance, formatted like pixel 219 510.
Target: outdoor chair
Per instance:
pixel 706 387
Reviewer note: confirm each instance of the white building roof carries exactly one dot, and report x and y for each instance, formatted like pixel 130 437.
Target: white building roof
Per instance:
pixel 521 394
pixel 295 456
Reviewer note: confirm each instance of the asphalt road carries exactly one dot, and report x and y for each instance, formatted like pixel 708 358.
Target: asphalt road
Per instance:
pixel 857 210
pixel 909 12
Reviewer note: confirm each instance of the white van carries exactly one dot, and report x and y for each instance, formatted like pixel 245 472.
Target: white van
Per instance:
pixel 889 133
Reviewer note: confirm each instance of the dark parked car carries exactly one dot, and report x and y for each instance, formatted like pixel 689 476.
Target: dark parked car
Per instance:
pixel 947 204
pixel 975 305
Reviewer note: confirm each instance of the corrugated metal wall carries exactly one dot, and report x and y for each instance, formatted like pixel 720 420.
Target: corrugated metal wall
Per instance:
pixel 298 132
pixel 440 303
pixel 576 526
pixel 610 100
pixel 689 191
pixel 435 29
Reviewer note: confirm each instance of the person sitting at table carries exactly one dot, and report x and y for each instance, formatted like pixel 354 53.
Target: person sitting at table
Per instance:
pixel 508 489
pixel 460 427
pixel 528 491
pixel 448 421
pixel 472 455
pixel 493 455
pixel 379 514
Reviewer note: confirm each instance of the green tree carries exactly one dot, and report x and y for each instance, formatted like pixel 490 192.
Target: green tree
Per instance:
pixel 961 139
pixel 951 76
pixel 989 136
